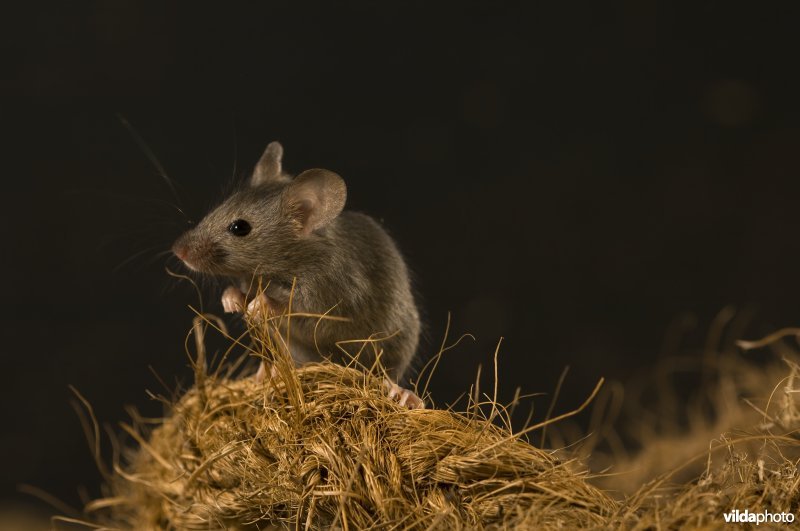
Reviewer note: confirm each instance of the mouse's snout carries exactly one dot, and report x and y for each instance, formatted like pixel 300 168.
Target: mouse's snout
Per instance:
pixel 195 251
pixel 182 248
pixel 180 251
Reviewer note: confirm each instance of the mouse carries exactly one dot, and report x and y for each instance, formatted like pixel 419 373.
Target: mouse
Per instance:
pixel 292 236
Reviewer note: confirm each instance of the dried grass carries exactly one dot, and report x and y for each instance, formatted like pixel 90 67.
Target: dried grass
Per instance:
pixel 323 447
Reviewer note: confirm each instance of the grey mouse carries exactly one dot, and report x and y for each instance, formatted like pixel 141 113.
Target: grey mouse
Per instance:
pixel 277 230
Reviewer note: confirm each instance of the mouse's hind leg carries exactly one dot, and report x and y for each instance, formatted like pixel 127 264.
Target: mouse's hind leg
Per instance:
pixel 261 374
pixel 404 397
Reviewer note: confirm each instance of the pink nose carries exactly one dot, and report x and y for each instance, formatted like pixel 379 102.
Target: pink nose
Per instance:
pixel 180 251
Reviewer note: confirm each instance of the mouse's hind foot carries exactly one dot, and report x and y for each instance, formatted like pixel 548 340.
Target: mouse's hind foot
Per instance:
pixel 264 368
pixel 404 397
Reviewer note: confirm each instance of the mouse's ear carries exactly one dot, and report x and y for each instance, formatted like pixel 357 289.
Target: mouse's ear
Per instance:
pixel 315 197
pixel 269 165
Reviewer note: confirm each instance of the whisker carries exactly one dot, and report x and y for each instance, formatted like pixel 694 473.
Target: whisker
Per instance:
pixel 142 199
pixel 157 256
pixel 154 161
pixel 235 151
pixel 135 256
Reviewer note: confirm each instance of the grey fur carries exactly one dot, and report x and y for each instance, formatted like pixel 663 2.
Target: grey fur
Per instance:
pixel 344 263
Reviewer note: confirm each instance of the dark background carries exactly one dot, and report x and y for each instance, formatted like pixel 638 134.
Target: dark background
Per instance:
pixel 571 177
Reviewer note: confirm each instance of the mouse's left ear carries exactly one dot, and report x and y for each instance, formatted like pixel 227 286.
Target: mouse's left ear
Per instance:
pixel 315 197
pixel 269 165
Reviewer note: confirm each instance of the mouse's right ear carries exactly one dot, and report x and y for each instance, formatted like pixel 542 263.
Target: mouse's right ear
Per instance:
pixel 269 165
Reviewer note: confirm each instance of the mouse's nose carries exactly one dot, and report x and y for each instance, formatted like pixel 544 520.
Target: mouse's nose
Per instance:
pixel 180 251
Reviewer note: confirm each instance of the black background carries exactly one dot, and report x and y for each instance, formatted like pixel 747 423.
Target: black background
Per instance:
pixel 571 177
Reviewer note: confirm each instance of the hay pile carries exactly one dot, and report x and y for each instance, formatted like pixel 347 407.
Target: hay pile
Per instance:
pixel 323 447
pixel 740 452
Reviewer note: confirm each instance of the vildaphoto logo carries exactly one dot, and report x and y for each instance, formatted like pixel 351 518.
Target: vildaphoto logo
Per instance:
pixel 741 517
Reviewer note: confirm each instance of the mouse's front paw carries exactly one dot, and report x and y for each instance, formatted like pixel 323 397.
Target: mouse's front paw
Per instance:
pixel 232 300
pixel 404 397
pixel 259 307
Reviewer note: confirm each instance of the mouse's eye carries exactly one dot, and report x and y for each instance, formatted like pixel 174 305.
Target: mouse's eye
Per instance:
pixel 239 228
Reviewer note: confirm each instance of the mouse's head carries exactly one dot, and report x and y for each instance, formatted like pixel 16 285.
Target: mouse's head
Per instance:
pixel 267 226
